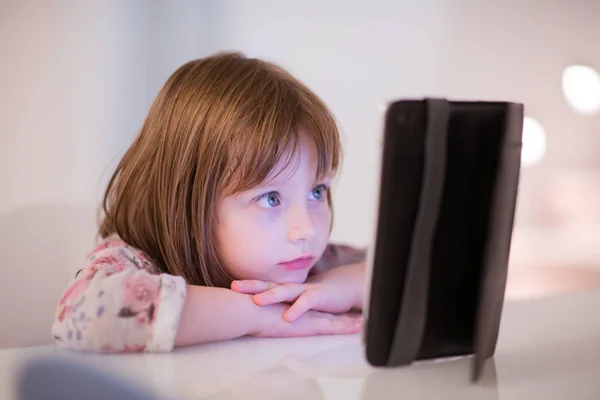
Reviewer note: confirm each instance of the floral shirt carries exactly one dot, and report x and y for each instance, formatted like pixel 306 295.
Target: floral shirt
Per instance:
pixel 120 302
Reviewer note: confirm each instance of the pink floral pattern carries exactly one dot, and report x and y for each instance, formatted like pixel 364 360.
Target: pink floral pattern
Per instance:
pixel 141 291
pixel 68 301
pixel 119 302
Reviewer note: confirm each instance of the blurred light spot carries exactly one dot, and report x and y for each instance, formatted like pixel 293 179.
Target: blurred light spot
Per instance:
pixel 581 87
pixel 534 142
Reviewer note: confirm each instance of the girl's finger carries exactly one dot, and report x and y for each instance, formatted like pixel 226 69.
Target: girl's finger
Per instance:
pixel 305 302
pixel 279 294
pixel 251 286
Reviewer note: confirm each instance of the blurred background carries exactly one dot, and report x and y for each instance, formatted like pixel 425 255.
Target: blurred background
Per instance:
pixel 77 78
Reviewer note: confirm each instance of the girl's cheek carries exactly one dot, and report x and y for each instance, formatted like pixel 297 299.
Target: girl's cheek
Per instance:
pixel 321 213
pixel 266 216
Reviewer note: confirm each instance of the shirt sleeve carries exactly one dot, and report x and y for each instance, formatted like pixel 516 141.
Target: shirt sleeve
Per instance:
pixel 336 255
pixel 119 303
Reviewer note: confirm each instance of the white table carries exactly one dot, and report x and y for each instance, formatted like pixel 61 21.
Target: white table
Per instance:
pixel 548 349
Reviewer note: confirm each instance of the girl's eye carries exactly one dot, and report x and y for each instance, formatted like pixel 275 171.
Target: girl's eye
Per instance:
pixel 319 192
pixel 269 200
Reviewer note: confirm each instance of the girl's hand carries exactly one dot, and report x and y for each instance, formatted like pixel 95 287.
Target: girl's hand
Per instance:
pixel 311 323
pixel 304 296
pixel 336 291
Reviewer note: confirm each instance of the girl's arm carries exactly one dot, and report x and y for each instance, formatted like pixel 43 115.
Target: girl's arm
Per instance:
pixel 213 314
pixel 119 304
pixel 236 314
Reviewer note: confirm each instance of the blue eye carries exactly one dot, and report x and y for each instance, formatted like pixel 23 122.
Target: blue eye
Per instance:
pixel 269 200
pixel 318 193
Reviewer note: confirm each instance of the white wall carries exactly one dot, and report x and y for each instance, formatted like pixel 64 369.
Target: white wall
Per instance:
pixel 76 80
pixel 72 82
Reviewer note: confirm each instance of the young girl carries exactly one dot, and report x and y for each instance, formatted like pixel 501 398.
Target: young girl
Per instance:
pixel 216 219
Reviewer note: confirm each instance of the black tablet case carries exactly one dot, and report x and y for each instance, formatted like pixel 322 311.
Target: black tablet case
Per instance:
pixel 448 188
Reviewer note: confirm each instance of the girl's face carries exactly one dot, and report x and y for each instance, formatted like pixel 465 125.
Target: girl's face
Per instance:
pixel 277 231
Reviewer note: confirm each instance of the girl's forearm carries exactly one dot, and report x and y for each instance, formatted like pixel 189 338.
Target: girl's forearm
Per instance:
pixel 213 314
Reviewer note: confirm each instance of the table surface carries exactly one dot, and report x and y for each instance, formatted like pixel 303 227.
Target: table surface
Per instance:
pixel 548 348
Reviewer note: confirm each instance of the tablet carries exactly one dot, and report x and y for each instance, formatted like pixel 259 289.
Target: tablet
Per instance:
pixel 438 266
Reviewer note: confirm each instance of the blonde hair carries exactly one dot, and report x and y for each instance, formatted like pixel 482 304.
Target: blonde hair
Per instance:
pixel 218 126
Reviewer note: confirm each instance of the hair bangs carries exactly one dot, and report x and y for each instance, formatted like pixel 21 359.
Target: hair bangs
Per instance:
pixel 269 142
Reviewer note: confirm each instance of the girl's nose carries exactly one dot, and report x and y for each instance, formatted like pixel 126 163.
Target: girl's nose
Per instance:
pixel 301 227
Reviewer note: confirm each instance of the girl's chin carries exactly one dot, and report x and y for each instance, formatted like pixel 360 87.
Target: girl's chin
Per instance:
pixel 292 277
